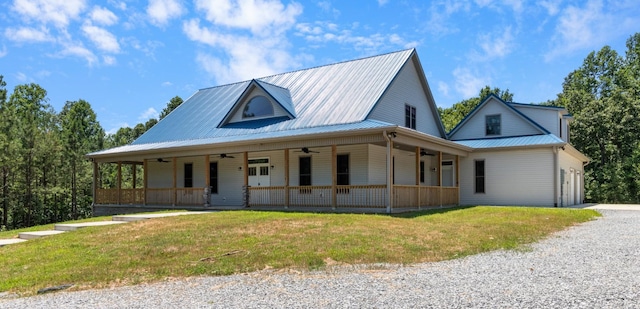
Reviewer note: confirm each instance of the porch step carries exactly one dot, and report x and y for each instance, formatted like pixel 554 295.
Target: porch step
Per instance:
pixel 4 242
pixel 38 234
pixel 75 226
pixel 138 217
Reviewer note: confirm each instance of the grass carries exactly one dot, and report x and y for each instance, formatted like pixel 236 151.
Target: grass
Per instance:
pixel 230 242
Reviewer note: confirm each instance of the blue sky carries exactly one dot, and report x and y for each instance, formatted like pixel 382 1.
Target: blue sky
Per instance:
pixel 128 58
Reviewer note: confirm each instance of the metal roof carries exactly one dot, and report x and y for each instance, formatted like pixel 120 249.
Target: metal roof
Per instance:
pixel 518 141
pixel 132 148
pixel 336 94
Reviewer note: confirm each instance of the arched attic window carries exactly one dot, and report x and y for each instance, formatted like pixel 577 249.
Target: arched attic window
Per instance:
pixel 258 106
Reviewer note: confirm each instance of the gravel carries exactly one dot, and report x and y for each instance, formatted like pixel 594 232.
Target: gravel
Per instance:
pixel 594 265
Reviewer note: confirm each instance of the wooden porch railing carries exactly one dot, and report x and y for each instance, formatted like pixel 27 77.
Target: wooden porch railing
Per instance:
pixel 365 196
pixel 407 196
pixel 164 196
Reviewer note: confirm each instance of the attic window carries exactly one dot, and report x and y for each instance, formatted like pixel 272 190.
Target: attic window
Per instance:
pixel 493 124
pixel 258 106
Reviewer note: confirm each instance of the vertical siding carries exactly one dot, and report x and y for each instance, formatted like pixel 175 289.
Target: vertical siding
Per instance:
pixel 518 177
pixel 406 88
pixel 512 124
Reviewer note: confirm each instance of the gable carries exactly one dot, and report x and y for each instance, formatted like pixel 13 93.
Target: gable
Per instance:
pixel 260 106
pixel 409 88
pixel 512 122
pixel 336 94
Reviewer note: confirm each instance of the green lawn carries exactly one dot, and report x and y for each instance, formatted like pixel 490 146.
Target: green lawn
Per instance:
pixel 230 242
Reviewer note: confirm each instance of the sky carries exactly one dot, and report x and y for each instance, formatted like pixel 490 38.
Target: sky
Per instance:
pixel 128 58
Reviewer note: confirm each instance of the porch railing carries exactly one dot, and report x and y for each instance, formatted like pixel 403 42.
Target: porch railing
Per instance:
pixel 365 196
pixel 164 196
pixel 407 196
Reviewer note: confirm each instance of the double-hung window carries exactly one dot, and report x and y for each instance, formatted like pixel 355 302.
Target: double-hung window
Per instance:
pixel 410 116
pixel 480 176
pixel 213 177
pixel 305 173
pixel 188 175
pixel 493 124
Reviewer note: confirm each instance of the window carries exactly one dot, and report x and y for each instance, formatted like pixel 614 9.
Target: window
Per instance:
pixel 342 172
pixel 479 164
pixel 421 171
pixel 305 171
pixel 188 175
pixel 410 116
pixel 252 171
pixel 258 107
pixel 493 124
pixel 213 177
pixel 560 126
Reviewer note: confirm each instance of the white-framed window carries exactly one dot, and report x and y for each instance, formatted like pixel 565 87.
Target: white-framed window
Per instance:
pixel 479 176
pixel 258 106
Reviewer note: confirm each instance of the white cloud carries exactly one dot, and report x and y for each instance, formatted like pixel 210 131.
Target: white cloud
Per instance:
pixel 148 114
pixel 21 77
pixel 495 46
pixel 57 12
pixel 468 84
pixel 167 84
pixel 3 52
pixel 261 17
pixel 161 11
pixel 552 6
pixel 28 35
pixel 591 26
pixel 382 2
pixel 443 88
pixel 108 60
pixel 102 16
pixel 77 50
pixel 102 38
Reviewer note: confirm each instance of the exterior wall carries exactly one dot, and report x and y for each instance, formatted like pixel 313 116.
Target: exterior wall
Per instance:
pixel 321 172
pixel 572 193
pixel 406 89
pixel 516 177
pixel 230 181
pixel 512 124
pixel 377 162
pixel 405 167
pixel 547 118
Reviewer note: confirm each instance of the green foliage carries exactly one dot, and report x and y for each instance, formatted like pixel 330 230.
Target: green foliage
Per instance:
pixel 173 104
pixel 453 115
pixel 604 97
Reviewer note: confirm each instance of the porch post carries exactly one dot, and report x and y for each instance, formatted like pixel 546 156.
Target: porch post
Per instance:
pixel 245 167
pixel 119 181
pixel 95 182
pixel 286 178
pixel 207 180
pixel 145 177
pixel 458 177
pixel 418 177
pixel 439 169
pixel 389 175
pixel 334 176
pixel 175 181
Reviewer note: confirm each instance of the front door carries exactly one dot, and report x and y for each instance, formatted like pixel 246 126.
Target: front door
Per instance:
pixel 259 172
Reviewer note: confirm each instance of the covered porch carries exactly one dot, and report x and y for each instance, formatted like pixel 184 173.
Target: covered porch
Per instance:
pixel 379 173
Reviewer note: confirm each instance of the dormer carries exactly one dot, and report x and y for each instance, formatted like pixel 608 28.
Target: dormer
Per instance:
pixel 260 104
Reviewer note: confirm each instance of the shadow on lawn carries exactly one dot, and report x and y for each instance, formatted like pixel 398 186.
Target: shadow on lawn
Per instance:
pixel 428 212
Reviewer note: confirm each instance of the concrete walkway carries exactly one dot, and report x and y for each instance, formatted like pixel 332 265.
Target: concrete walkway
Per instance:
pixel 62 228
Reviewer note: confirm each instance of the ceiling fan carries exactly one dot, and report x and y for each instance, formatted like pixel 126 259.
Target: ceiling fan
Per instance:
pixel 224 155
pixel 424 153
pixel 306 150
pixel 161 160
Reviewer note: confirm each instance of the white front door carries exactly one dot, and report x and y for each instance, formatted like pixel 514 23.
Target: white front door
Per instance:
pixel 571 190
pixel 259 172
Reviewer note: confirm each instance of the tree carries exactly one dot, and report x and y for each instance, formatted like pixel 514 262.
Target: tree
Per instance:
pixel 81 134
pixel 603 97
pixel 5 151
pixel 453 115
pixel 173 104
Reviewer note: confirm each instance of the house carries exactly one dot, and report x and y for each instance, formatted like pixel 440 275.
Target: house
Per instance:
pixel 361 135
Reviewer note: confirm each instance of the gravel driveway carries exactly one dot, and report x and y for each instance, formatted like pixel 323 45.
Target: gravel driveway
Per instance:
pixel 594 265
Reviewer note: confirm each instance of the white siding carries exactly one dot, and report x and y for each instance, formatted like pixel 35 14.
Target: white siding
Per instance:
pixel 547 118
pixel 321 169
pixel 568 163
pixel 406 89
pixel 405 167
pixel 518 177
pixel 377 165
pixel 230 181
pixel 512 124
